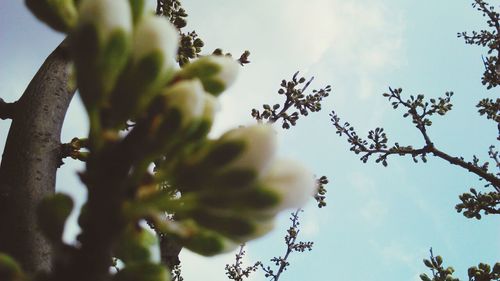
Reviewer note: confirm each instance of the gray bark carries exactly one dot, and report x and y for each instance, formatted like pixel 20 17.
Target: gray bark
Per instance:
pixel 30 160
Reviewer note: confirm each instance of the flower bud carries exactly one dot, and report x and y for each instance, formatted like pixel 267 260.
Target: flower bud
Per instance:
pixel 234 226
pixel 205 122
pixel 259 147
pixel 152 65
pixel 293 183
pixel 156 36
pixel 186 97
pixel 59 15
pixel 106 15
pixel 217 73
pixel 207 243
pixel 137 7
pixel 100 45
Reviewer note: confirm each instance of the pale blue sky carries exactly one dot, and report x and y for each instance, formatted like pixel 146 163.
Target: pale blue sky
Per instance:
pixel 379 222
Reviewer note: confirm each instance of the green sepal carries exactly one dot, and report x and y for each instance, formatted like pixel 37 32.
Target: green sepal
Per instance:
pixel 137 88
pixel 214 86
pixel 222 153
pixel 206 71
pixel 160 137
pixel 201 130
pixel 85 47
pixel 143 272
pixel 133 246
pixel 158 202
pixel 60 15
pixel 207 243
pixel 250 199
pixel 233 179
pixel 216 73
pixel 52 214
pixel 10 270
pixel 113 59
pixel 229 225
pixel 137 7
pixel 98 61
pixel 200 69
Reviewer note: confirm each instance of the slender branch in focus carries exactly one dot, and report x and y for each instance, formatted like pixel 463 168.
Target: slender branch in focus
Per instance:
pixel 420 111
pixel 292 246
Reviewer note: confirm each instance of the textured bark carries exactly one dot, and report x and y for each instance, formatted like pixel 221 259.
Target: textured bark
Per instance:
pixel 30 160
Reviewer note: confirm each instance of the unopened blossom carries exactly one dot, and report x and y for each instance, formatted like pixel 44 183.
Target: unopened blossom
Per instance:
pixel 291 181
pixel 107 15
pixel 188 98
pixel 217 73
pixel 259 147
pixel 156 35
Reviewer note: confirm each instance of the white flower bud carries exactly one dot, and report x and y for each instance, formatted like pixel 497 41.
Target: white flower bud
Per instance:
pixel 217 73
pixel 100 45
pixel 259 147
pixel 156 34
pixel 107 15
pixel 291 181
pixel 188 98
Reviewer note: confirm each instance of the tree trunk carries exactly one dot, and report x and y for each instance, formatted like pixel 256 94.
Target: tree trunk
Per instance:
pixel 30 160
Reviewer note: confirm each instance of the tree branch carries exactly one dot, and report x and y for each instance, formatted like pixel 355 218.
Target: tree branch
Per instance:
pixel 30 160
pixel 7 110
pixel 420 112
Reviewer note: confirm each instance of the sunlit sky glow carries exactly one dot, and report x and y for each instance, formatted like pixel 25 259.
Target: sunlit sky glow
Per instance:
pixel 379 222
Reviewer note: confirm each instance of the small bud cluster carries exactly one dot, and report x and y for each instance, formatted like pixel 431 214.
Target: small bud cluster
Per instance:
pixel 228 190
